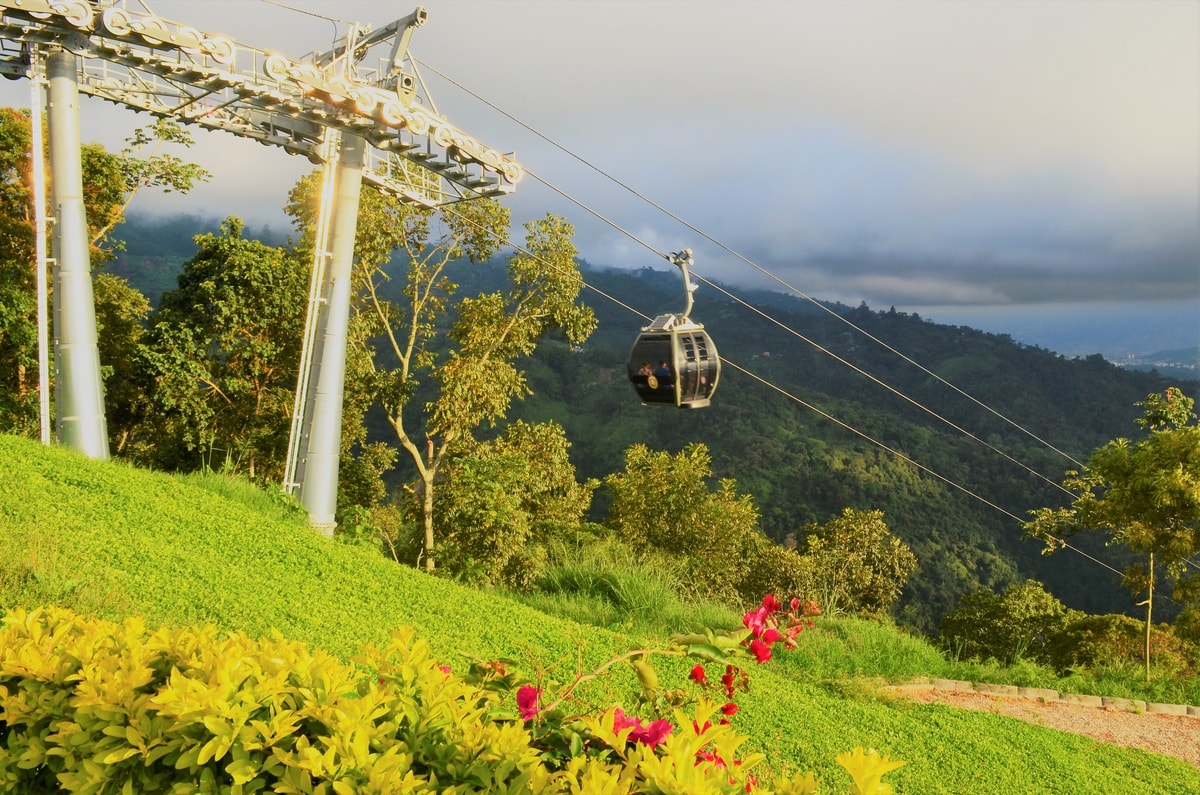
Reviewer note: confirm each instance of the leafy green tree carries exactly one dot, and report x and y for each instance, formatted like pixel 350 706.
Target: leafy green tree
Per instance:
pixel 110 182
pixel 1019 624
pixel 1108 642
pixel 1146 496
pixel 223 350
pixel 121 316
pixel 141 164
pixel 854 563
pixel 773 569
pixel 460 352
pixel 502 503
pixel 18 308
pixel 663 503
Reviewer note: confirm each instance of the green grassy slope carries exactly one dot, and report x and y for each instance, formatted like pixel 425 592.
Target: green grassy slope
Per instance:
pixel 112 540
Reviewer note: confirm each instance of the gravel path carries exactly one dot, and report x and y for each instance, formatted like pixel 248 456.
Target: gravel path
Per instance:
pixel 1172 735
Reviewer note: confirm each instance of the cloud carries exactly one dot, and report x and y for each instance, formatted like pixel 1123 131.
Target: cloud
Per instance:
pixel 892 151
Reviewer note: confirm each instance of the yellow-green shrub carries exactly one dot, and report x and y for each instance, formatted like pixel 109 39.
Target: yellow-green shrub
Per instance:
pixel 89 706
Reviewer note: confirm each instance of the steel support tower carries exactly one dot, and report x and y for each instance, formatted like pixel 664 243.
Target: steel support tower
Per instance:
pixel 390 136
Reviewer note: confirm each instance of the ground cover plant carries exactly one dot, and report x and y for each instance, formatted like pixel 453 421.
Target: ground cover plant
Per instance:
pixel 113 541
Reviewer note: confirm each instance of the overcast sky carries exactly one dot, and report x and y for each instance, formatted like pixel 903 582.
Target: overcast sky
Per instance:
pixel 916 153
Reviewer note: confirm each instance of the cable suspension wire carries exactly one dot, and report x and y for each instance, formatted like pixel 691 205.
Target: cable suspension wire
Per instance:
pixel 800 336
pixel 789 287
pixel 504 240
pixel 883 384
pixel 749 262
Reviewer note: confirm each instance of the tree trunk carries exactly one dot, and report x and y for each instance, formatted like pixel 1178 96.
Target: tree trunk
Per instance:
pixel 427 477
pixel 427 510
pixel 1149 613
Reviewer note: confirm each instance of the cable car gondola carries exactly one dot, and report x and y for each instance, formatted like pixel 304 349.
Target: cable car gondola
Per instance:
pixel 674 362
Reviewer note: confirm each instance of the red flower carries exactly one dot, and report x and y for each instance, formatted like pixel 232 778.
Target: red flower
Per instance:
pixel 697 674
pixel 623 721
pixel 795 605
pixel 770 603
pixel 760 650
pixel 771 635
pixel 730 709
pixel 727 681
pixel 527 702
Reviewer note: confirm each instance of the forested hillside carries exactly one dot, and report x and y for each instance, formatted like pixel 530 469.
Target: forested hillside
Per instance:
pixel 960 514
pixel 801 467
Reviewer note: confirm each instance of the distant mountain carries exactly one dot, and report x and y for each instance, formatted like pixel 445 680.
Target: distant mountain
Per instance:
pixel 1117 331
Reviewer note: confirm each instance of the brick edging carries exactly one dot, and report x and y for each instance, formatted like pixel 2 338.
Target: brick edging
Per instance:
pixel 1047 696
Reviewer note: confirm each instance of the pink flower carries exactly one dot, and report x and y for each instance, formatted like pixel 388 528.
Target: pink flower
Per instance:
pixel 697 674
pixel 654 734
pixel 651 735
pixel 760 650
pixel 795 604
pixel 770 603
pixel 755 621
pixel 771 635
pixel 528 698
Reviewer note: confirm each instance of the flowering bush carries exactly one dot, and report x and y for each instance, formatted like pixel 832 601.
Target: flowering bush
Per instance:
pixel 91 706
pixel 695 749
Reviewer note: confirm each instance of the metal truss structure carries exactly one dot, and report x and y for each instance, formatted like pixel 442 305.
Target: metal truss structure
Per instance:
pixel 147 63
pixel 373 124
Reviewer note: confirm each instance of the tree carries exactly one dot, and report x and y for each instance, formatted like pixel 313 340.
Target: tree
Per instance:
pixel 855 564
pixel 504 500
pixel 223 350
pixel 18 309
pixel 121 314
pixel 663 503
pixel 1020 624
pixel 110 182
pixel 169 173
pixel 1146 496
pixel 459 354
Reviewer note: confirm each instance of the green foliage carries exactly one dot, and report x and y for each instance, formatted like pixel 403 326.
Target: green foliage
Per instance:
pixel 613 588
pixel 1115 642
pixel 662 504
pixel 222 351
pixel 1145 496
pixel 504 500
pixel 121 313
pixel 854 564
pixel 1020 624
pixel 777 569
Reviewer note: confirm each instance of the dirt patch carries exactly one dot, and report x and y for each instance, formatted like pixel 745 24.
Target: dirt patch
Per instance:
pixel 1172 735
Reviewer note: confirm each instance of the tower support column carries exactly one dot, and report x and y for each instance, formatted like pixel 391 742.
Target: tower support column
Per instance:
pixel 318 477
pixel 78 389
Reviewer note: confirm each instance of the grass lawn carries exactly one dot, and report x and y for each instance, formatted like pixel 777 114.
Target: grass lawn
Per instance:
pixel 110 540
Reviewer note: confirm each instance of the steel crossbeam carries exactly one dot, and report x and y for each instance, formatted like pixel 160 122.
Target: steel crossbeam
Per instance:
pixel 168 69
